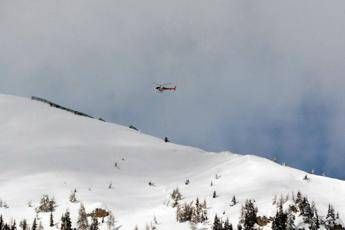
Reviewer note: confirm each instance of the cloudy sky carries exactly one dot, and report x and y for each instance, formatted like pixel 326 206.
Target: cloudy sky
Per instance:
pixel 264 77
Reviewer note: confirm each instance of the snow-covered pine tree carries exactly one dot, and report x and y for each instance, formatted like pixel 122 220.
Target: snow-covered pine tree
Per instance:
pixel 204 217
pixel 34 225
pixel 23 224
pixel 233 201
pixel 214 194
pixel 44 204
pixel 274 201
pixel 6 227
pixel 51 220
pixel 301 205
pixel 94 223
pixel 315 224
pixel 14 225
pixel 204 204
pixel 197 212
pixel 40 226
pixel 184 212
pixel 306 210
pixel 249 212
pixel 110 221
pixel 306 178
pixel 176 196
pixel 227 225
pixel 299 198
pixel 52 205
pixel 279 221
pixel 1 222
pixel 82 222
pixel 290 221
pixel 73 197
pixel 217 224
pixel 293 197
pixel 66 223
pixel 330 217
pixel 281 201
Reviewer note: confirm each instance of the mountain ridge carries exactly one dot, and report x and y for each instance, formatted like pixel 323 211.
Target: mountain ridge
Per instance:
pixel 48 151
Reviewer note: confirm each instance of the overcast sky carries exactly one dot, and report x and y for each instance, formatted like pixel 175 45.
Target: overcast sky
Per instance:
pixel 261 77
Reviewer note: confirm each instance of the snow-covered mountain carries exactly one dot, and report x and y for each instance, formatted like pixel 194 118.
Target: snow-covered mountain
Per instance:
pixel 45 150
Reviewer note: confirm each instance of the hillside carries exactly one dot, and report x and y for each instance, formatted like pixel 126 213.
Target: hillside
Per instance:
pixel 44 150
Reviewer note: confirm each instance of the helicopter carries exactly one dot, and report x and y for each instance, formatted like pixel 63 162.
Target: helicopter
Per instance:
pixel 165 87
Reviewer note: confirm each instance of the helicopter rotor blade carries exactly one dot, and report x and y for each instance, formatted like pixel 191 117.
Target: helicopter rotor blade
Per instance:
pixel 162 84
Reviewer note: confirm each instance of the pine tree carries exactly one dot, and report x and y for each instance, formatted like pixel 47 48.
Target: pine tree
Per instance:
pixel 1 222
pixel 233 201
pixel 111 221
pixel 330 217
pixel 40 226
pixel 274 201
pixel 14 225
pixel 66 223
pixel 214 194
pixel 306 210
pixel 184 212
pixel 197 212
pixel 63 220
pixel 306 178
pixel 52 205
pixel 315 224
pixel 302 205
pixel 279 222
pixel 204 205
pixel 73 197
pixel 23 224
pixel 176 196
pixel 249 212
pixel 293 197
pixel 51 220
pixel 82 223
pixel 290 222
pixel 299 198
pixel 46 204
pixel 204 217
pixel 34 225
pixel 217 224
pixel 281 201
pixel 94 223
pixel 227 225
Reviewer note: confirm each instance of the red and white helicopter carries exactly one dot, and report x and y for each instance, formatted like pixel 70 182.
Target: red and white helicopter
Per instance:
pixel 165 87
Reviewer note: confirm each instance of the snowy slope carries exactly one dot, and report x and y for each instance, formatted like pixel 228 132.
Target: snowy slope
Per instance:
pixel 44 150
